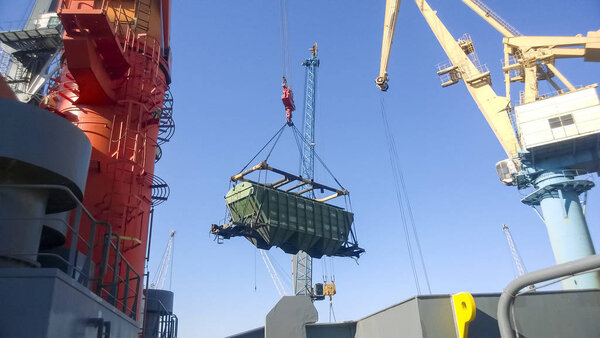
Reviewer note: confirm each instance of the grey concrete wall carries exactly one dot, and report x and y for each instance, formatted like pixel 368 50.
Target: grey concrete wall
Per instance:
pixel 45 303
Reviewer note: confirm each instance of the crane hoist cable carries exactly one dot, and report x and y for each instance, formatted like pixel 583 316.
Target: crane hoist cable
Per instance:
pixel 331 311
pixel 402 199
pixel 285 41
pixel 287 97
pixel 274 137
pixel 297 131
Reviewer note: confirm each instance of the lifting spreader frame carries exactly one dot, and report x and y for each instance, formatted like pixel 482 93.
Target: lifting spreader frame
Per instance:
pixel 288 178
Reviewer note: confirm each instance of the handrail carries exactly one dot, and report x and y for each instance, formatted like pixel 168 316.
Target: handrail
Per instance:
pixel 510 292
pixel 112 290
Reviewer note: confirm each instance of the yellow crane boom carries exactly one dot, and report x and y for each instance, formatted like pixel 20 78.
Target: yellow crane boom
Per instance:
pixel 494 107
pixel 391 16
pixel 524 58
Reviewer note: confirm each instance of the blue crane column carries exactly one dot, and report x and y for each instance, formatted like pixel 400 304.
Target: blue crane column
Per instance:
pixel 557 193
pixel 302 262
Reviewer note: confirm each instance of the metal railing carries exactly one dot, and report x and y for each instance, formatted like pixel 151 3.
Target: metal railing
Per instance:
pixel 122 26
pixel 168 326
pixel 111 276
pixel 5 62
pixel 167 323
pixel 549 94
pixel 511 291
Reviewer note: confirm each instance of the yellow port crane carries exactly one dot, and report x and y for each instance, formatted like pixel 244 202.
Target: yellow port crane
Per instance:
pixel 549 139
pixel 529 56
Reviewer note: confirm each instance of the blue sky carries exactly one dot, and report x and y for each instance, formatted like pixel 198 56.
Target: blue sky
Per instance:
pixel 226 84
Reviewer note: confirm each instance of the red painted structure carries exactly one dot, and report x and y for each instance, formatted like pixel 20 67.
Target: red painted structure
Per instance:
pixel 115 71
pixel 5 91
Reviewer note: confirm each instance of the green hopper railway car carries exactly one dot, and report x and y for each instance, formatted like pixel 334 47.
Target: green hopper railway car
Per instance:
pixel 270 217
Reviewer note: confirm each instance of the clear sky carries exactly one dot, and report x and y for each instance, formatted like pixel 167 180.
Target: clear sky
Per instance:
pixel 226 84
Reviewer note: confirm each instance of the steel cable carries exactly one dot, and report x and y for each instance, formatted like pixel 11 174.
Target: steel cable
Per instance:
pixel 285 41
pixel 318 158
pixel 263 147
pixel 402 198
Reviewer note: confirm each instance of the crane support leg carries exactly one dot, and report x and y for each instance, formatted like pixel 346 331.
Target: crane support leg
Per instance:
pixel 558 196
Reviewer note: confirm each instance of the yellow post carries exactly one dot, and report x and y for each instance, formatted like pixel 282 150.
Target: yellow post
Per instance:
pixel 463 306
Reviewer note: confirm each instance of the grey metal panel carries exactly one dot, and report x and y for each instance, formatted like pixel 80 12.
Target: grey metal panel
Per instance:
pixel 543 314
pixel 335 330
pixel 401 320
pixel 25 310
pixel 158 303
pixel 47 148
pixel 540 314
pixel 289 317
pixel 36 147
pixel 436 315
pixel 21 213
pixel 47 303
pixel 485 323
pixel 256 333
pixel 158 300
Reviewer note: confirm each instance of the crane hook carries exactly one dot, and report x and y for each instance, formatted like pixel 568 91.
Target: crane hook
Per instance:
pixel 288 101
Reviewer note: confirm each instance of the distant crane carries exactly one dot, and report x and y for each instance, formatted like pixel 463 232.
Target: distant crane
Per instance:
pixel 515 254
pixel 549 139
pixel 274 276
pixel 302 262
pixel 165 265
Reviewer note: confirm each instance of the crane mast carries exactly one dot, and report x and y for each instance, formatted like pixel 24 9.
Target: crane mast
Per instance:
pixel 515 254
pixel 302 262
pixel 273 273
pixel 165 264
pixel 553 138
pixel 513 250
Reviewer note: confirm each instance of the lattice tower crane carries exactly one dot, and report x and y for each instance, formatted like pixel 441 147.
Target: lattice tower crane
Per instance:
pixel 513 250
pixel 273 273
pixel 551 140
pixel 165 265
pixel 302 262
pixel 515 254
